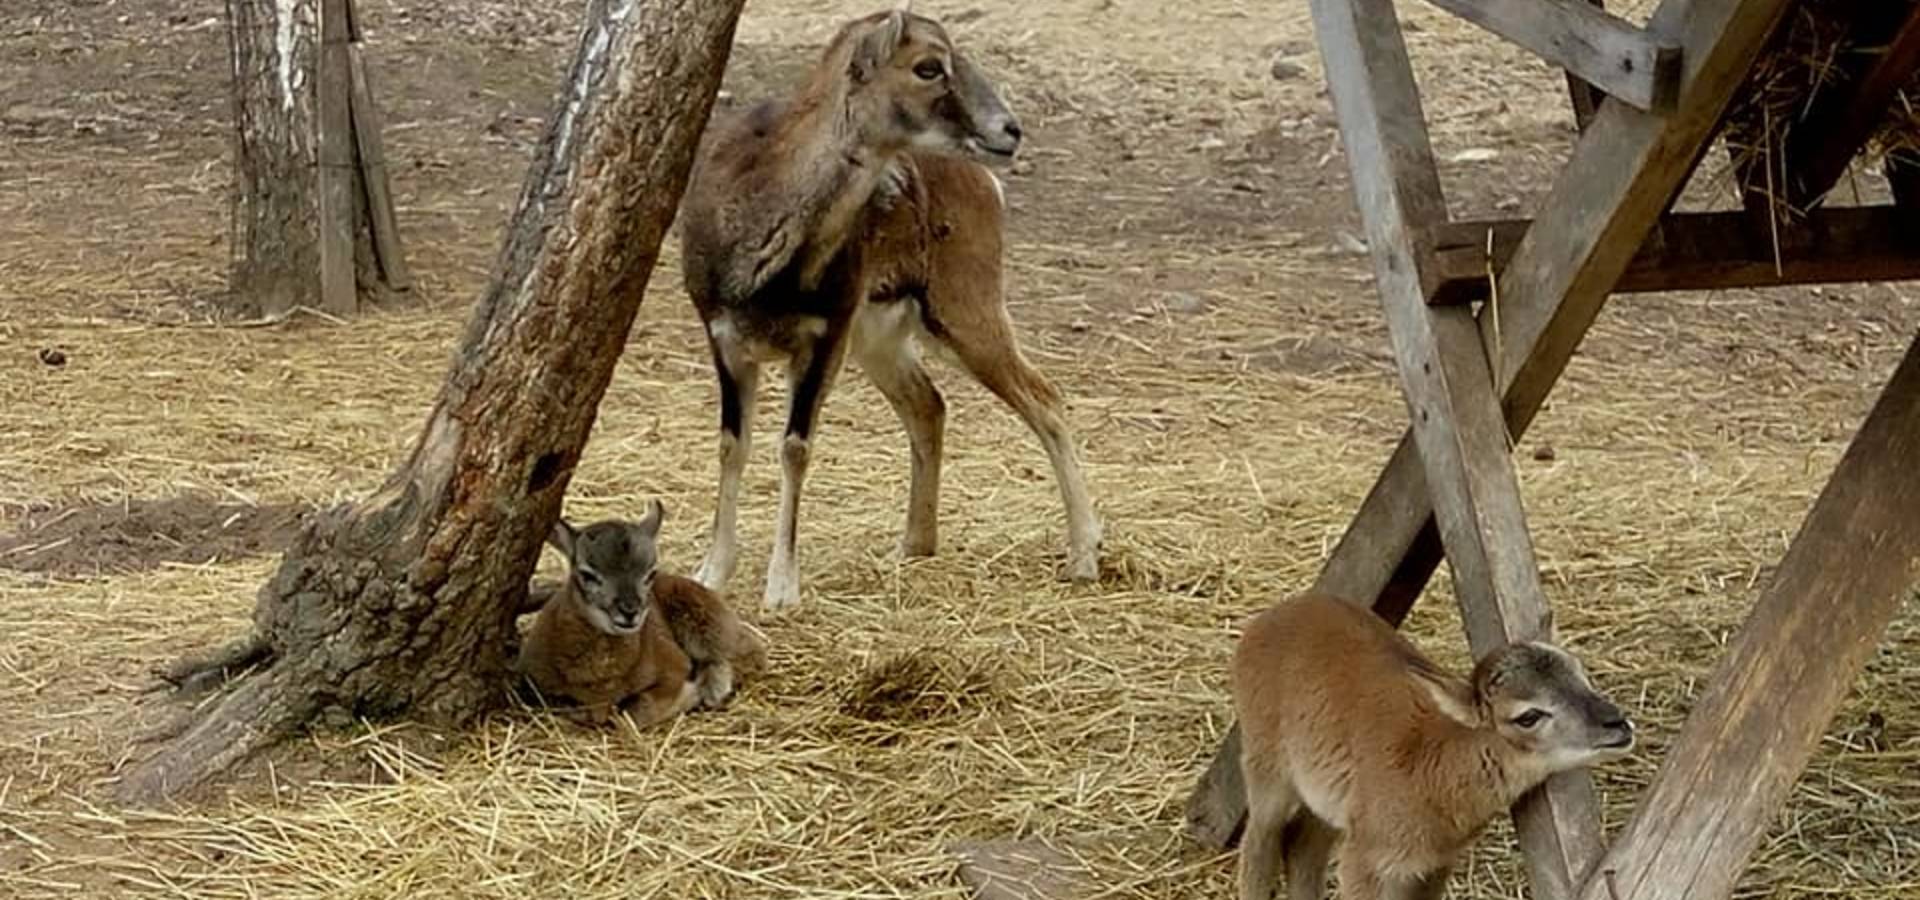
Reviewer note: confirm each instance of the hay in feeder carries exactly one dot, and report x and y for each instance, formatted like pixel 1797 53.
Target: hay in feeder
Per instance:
pixel 1818 50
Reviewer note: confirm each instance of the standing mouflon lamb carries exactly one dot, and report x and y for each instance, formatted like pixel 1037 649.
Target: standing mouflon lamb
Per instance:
pixel 846 220
pixel 617 635
pixel 1347 729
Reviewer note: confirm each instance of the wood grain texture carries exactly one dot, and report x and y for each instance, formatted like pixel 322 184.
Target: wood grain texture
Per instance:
pixel 1601 49
pixel 1855 560
pixel 1712 251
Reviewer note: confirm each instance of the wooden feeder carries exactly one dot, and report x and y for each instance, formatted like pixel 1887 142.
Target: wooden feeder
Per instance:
pixel 1650 102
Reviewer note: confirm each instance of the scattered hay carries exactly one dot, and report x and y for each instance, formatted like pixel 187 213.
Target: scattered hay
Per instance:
pixel 1813 54
pixel 918 687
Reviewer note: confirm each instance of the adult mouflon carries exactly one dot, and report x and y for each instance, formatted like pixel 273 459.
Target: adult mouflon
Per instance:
pixel 846 219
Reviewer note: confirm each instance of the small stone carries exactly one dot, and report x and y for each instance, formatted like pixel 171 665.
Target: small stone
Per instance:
pixel 1079 325
pixel 1284 69
pixel 53 356
pixel 1186 303
pixel 1021 167
pixel 1544 453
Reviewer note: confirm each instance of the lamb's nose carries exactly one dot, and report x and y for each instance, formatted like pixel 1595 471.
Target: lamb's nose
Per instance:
pixel 1013 130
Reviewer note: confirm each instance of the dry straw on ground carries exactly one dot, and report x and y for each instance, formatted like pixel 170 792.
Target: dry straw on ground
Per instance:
pixel 1225 362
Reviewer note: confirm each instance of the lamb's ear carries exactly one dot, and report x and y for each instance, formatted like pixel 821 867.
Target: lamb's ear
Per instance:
pixel 561 538
pixel 878 45
pixel 649 524
pixel 1452 696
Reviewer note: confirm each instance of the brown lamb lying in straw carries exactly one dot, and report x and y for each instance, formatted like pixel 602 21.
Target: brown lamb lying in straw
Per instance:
pixel 598 644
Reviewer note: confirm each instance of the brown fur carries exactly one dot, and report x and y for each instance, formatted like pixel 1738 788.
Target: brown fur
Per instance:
pixel 569 660
pixel 1347 728
pixel 844 220
pixel 721 647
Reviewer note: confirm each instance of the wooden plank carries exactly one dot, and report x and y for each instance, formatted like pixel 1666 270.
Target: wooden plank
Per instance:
pixel 1824 143
pixel 1604 50
pixel 1855 560
pixel 1712 251
pixel 372 158
pixel 1585 97
pixel 1458 423
pixel 339 214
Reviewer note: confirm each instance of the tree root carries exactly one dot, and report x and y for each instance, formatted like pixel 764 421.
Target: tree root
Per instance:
pixel 259 711
pixel 196 674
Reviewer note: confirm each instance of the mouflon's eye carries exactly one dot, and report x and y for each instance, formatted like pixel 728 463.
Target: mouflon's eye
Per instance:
pixel 930 70
pixel 1529 718
pixel 587 577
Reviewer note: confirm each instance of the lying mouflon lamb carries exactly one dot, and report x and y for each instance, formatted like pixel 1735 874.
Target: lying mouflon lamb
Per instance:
pixel 598 644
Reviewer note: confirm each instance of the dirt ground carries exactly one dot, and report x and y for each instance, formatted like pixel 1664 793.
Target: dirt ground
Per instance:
pixel 1183 262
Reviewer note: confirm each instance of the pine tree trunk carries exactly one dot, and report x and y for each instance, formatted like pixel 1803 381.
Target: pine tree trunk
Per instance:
pixel 405 602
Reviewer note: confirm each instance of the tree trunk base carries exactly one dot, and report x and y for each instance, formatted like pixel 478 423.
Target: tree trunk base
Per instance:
pixel 342 633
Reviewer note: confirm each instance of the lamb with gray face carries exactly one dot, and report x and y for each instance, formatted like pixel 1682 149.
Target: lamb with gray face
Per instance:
pixel 618 634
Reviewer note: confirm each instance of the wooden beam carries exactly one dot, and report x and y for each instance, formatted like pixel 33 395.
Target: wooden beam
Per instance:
pixel 1458 424
pixel 1712 251
pixel 339 213
pixel 1604 50
pixel 1585 97
pixel 1855 560
pixel 372 157
pixel 1824 143
pixel 1624 171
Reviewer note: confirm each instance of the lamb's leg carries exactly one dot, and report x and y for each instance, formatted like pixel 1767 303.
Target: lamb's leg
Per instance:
pixel 1360 880
pixel 1271 804
pixel 884 345
pixel 810 375
pixel 739 376
pixel 1309 845
pixel 1431 887
pixel 715 684
pixel 663 700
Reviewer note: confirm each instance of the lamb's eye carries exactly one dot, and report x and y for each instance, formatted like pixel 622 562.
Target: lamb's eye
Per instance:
pixel 1530 718
pixel 588 577
pixel 930 70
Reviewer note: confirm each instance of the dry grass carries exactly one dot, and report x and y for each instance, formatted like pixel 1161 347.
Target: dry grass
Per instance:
pixel 1224 361
pixel 1808 61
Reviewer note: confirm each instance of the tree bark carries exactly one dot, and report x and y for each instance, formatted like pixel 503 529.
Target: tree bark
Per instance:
pixel 285 132
pixel 405 601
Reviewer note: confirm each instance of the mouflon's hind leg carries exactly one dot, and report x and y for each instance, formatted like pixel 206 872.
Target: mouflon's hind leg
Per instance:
pixel 887 350
pixel 985 345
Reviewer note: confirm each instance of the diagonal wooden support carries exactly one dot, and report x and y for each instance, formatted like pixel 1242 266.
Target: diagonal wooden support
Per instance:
pixel 1856 558
pixel 1624 172
pixel 1637 66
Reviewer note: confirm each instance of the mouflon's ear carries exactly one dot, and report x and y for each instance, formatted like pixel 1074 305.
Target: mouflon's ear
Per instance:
pixel 649 524
pixel 561 538
pixel 878 45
